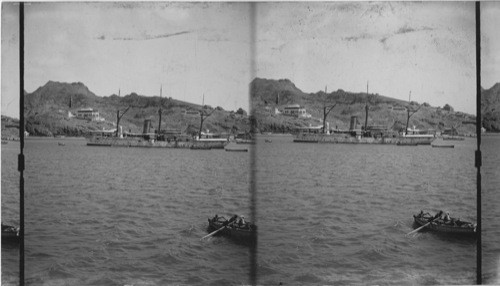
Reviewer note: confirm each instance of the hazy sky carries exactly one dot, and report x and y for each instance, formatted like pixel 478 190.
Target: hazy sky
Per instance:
pixel 10 59
pixel 425 47
pixel 204 48
pixel 190 49
pixel 490 44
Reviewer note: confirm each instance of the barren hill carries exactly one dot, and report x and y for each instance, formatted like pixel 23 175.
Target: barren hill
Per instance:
pixel 50 110
pixel 267 95
pixel 490 108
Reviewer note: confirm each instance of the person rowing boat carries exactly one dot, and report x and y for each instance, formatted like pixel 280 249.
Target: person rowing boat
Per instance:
pixel 235 227
pixel 445 216
pixel 442 222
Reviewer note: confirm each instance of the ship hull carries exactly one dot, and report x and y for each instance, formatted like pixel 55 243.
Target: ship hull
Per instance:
pixel 347 139
pixel 143 143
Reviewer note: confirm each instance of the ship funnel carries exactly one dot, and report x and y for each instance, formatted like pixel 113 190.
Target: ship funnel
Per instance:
pixel 147 126
pixel 354 123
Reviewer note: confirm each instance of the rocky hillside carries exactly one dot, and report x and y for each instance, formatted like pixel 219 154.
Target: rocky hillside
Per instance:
pixel 50 110
pixel 268 95
pixel 10 128
pixel 490 108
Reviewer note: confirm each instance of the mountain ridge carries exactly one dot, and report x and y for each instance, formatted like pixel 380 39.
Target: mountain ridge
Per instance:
pixel 268 95
pixel 50 110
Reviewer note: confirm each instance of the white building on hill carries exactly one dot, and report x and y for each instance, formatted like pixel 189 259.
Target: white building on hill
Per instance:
pixel 296 110
pixel 89 114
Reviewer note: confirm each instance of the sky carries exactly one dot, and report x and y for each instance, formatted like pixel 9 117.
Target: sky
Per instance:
pixel 196 50
pixel 490 44
pixel 427 48
pixel 190 51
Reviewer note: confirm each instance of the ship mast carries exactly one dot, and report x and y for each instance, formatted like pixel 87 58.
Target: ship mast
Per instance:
pixel 366 107
pixel 159 113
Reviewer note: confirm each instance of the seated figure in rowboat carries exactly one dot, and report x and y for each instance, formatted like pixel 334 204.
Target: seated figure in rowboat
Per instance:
pixel 445 216
pixel 230 221
pixel 9 232
pixel 235 222
pixel 442 222
pixel 241 221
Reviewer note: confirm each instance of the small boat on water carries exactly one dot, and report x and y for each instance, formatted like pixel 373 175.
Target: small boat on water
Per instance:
pixel 61 144
pixel 443 146
pixel 404 143
pixel 236 149
pixel 232 228
pixel 232 147
pixel 9 232
pixel 269 141
pixel 454 138
pixel 200 147
pixel 438 224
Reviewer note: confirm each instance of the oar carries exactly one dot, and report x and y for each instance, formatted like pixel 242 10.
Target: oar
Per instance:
pixel 415 230
pixel 214 232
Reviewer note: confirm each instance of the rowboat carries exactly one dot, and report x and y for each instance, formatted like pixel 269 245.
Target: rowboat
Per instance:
pixel 443 146
pixel 10 233
pixel 200 147
pixel 236 150
pixel 406 143
pixel 243 232
pixel 455 138
pixel 232 147
pixel 451 226
pixel 244 141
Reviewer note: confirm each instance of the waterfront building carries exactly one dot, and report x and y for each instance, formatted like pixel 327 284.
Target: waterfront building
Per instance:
pixel 272 110
pixel 192 112
pixel 398 108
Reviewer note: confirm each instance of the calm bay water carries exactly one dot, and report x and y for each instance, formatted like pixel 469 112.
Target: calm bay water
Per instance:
pixel 490 171
pixel 338 214
pixel 10 211
pixel 327 214
pixel 131 216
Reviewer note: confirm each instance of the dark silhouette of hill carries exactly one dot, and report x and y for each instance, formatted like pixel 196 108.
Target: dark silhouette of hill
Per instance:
pixel 49 108
pixel 268 95
pixel 46 110
pixel 10 127
pixel 490 108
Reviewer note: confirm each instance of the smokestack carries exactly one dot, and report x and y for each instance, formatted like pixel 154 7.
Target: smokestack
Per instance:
pixel 366 107
pixel 147 124
pixel 354 123
pixel 159 113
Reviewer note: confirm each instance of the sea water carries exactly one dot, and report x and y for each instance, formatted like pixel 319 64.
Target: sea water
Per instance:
pixel 327 214
pixel 338 213
pixel 490 146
